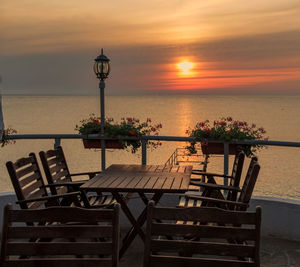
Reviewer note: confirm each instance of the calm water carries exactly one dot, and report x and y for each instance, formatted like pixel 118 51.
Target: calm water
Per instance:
pixel 279 115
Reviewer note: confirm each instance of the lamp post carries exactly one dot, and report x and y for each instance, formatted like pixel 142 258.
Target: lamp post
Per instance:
pixel 102 69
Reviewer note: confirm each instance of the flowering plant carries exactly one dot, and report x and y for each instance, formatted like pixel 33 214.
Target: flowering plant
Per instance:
pixel 7 132
pixel 226 129
pixel 131 127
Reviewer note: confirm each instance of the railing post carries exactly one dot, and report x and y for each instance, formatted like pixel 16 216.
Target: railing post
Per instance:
pixel 226 160
pixel 1 116
pixel 144 152
pixel 56 143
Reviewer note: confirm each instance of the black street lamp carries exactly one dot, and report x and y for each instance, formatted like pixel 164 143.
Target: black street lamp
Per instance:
pixel 102 69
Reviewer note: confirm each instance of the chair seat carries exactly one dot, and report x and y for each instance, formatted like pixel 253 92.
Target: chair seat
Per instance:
pixel 101 200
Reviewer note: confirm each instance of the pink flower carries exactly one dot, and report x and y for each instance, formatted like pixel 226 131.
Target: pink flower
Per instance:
pixel 132 132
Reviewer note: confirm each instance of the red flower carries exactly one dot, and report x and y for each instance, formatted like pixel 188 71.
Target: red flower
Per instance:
pixel 129 119
pixel 132 132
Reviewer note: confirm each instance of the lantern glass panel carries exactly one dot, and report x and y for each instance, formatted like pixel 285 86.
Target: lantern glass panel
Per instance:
pixel 96 68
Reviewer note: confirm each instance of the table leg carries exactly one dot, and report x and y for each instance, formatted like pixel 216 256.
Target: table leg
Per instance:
pixel 129 215
pixel 135 230
pixel 144 198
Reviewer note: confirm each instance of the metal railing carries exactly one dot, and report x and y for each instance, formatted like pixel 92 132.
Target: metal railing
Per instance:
pixel 57 138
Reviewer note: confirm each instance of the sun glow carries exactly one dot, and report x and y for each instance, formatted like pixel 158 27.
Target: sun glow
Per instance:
pixel 185 68
pixel 185 65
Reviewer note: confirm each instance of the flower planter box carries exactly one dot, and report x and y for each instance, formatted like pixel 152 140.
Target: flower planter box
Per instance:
pixel 111 144
pixel 218 148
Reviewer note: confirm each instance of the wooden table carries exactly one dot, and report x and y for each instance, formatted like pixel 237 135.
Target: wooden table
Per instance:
pixel 141 179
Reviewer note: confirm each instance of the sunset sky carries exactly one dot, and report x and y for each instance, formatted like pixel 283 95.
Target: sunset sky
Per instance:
pixel 228 46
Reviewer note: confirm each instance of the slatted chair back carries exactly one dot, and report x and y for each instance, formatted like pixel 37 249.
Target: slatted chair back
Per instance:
pixel 56 169
pixel 249 182
pixel 27 181
pixel 80 237
pixel 237 169
pixel 211 246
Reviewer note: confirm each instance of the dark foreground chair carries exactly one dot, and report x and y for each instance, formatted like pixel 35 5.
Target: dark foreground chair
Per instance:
pixel 225 238
pixel 76 239
pixel 58 174
pixel 29 186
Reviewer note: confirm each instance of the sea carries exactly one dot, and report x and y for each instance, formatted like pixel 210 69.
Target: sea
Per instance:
pixel 279 115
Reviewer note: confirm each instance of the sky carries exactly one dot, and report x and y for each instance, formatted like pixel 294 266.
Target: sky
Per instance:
pixel 233 46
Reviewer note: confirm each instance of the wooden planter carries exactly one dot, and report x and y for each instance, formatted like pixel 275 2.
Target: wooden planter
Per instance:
pixel 218 148
pixel 110 144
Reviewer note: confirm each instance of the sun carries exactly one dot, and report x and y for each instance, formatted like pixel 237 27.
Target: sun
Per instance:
pixel 185 68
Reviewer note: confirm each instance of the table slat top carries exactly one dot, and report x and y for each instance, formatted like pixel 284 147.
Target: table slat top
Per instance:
pixel 141 178
pixel 148 168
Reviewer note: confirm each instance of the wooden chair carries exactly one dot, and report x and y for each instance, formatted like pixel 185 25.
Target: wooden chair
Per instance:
pixel 244 193
pixel 235 176
pixel 212 248
pixel 29 186
pixel 74 240
pixel 211 189
pixel 58 174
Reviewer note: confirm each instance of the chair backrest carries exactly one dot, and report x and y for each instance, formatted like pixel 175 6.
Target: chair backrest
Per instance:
pixel 219 240
pixel 237 169
pixel 27 181
pixel 249 182
pixel 56 169
pixel 79 237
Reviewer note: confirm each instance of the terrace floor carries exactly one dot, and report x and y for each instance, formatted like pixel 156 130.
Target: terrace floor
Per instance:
pixel 274 253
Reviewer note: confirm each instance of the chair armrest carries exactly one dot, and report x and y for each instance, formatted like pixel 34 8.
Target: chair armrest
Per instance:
pixel 90 174
pixel 76 183
pixel 216 186
pixel 199 172
pixel 216 200
pixel 46 198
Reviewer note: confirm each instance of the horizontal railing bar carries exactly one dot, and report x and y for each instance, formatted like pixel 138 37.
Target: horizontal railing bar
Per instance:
pixel 156 138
